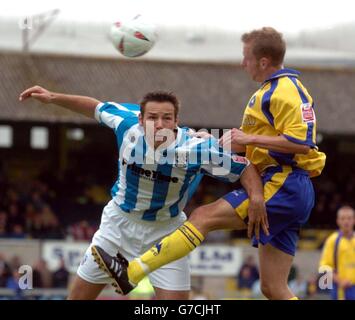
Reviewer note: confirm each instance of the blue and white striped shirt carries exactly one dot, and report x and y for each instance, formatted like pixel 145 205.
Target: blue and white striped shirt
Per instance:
pixel 156 184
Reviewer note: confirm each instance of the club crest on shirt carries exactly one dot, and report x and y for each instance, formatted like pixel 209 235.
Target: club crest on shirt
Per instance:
pixel 307 112
pixel 252 102
pixel 249 121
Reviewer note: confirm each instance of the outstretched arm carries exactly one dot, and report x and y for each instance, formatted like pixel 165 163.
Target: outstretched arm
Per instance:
pixel 230 169
pixel 79 104
pixel 235 139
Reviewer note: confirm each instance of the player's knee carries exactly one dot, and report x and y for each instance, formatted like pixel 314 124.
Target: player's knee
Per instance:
pixel 201 219
pixel 266 289
pixel 272 290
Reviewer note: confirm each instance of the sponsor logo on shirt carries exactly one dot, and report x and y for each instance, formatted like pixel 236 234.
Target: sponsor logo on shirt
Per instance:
pixel 307 112
pixel 239 159
pixel 149 174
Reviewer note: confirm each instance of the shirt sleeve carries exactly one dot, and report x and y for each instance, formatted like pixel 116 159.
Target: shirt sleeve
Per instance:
pixel 112 114
pixel 294 117
pixel 221 164
pixel 327 257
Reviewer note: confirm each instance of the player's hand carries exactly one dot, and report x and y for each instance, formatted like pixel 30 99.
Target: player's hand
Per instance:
pixel 257 217
pixel 344 284
pixel 38 93
pixel 348 284
pixel 234 140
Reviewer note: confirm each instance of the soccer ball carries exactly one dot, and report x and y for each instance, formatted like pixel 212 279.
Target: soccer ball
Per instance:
pixel 133 38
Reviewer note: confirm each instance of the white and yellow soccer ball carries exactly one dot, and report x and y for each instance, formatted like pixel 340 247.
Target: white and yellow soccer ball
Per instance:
pixel 133 38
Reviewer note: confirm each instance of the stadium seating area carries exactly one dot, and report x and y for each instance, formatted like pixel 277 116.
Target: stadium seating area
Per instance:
pixel 42 276
pixel 58 191
pixel 224 87
pixel 50 208
pixel 68 203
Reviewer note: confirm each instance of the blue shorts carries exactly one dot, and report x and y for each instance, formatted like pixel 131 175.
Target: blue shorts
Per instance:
pixel 341 294
pixel 289 199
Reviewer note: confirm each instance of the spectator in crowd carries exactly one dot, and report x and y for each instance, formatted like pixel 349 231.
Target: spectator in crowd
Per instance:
pixel 3 233
pixel 298 286
pixel 42 277
pixel 13 282
pixel 5 271
pixel 82 231
pixel 14 217
pixel 15 263
pixel 3 224
pixel 61 276
pixel 49 223
pixel 245 279
pixel 339 256
pixel 313 289
pixel 17 232
pixel 248 274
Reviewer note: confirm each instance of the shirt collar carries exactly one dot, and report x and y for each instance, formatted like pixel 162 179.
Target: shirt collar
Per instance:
pixel 283 73
pixel 341 234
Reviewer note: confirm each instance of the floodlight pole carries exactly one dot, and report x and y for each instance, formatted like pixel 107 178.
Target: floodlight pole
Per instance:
pixel 38 23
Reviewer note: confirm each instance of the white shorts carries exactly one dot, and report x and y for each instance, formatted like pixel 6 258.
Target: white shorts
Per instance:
pixel 124 232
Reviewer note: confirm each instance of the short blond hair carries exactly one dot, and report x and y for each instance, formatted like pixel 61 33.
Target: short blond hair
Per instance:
pixel 268 43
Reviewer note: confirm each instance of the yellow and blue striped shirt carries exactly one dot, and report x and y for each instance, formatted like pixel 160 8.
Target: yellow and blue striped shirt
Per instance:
pixel 339 254
pixel 283 106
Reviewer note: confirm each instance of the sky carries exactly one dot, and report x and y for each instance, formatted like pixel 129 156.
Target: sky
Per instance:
pixel 287 16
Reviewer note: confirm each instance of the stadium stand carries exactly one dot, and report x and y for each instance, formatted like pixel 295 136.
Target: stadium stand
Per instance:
pixel 56 193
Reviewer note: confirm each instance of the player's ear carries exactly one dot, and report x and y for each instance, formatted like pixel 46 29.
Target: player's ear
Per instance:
pixel 140 119
pixel 264 63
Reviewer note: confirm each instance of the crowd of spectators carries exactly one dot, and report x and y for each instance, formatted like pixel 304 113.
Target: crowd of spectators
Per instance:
pixel 29 211
pixel 40 212
pixel 54 206
pixel 248 282
pixel 42 277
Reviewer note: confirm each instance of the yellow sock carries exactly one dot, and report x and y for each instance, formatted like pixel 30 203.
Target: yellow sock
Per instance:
pixel 173 247
pixel 294 298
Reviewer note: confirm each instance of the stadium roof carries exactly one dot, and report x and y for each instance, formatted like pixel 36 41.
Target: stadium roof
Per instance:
pixel 212 95
pixel 187 44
